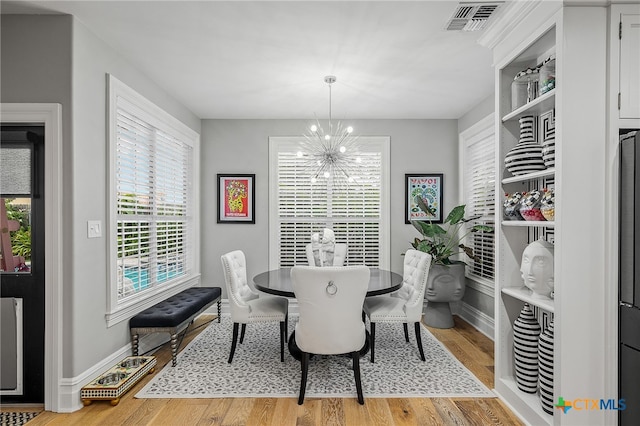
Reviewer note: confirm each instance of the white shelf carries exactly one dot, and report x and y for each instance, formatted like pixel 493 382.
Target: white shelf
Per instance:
pixel 539 105
pixel 526 295
pixel 529 223
pixel 526 404
pixel 530 176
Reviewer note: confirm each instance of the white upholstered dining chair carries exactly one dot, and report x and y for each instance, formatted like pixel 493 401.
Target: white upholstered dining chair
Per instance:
pixel 330 303
pixel 405 305
pixel 249 307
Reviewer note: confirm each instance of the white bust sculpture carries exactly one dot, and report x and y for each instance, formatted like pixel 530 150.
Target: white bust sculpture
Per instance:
pixel 323 247
pixel 537 268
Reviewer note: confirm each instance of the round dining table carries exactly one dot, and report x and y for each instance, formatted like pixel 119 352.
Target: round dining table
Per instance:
pixel 278 282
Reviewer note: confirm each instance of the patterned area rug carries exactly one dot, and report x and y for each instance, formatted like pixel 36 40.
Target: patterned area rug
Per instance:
pixel 256 371
pixel 16 418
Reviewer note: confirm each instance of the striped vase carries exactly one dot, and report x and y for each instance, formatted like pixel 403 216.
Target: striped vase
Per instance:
pixel 545 362
pixel 526 331
pixel 526 156
pixel 549 152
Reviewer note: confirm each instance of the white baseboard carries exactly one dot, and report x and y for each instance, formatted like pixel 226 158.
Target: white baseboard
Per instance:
pixel 481 321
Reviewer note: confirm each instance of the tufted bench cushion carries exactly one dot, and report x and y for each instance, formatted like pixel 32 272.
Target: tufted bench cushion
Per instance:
pixel 173 315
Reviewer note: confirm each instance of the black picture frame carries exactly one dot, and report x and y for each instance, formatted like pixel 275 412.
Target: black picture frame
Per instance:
pixel 236 198
pixel 430 186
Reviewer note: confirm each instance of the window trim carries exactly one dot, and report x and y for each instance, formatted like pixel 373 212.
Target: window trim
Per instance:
pixel 385 201
pixel 480 130
pixel 118 311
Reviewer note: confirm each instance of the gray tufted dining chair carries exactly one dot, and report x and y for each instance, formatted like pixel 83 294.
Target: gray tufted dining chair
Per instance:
pixel 405 305
pixel 247 306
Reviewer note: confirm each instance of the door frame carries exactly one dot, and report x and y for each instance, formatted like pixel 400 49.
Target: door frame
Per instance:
pixel 49 115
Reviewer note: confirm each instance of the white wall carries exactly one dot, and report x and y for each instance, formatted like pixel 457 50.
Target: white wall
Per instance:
pixel 242 146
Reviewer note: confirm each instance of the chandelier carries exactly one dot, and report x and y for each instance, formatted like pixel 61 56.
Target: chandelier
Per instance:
pixel 331 154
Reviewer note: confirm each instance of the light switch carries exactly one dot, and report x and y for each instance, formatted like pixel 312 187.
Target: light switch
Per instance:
pixel 94 229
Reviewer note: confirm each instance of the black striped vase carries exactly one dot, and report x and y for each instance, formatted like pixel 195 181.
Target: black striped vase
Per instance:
pixel 526 156
pixel 545 362
pixel 526 331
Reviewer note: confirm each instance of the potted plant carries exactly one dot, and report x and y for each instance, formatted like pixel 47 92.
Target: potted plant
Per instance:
pixel 446 282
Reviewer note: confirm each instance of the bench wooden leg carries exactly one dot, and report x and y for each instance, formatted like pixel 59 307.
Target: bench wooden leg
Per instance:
pixel 134 345
pixel 174 349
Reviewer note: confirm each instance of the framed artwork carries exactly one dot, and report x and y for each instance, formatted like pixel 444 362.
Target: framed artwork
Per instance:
pixel 236 198
pixel 427 186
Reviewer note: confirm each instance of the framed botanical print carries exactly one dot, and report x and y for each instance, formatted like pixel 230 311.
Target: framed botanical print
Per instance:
pixel 428 187
pixel 236 198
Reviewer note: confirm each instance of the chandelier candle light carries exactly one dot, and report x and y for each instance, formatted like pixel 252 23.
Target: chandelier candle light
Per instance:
pixel 333 153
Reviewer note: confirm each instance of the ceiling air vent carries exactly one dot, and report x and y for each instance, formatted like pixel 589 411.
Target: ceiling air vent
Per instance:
pixel 471 16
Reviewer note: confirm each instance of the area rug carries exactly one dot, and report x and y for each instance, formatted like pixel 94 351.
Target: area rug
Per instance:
pixel 16 418
pixel 256 370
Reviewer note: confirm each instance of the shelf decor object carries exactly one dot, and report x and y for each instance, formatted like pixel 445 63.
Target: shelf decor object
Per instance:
pixel 524 88
pixel 526 331
pixel 545 364
pixel 537 268
pixel 511 206
pixel 526 156
pixel 548 136
pixel 113 383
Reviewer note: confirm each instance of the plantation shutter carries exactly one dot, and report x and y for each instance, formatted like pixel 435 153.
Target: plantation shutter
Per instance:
pixel 354 212
pixel 154 202
pixel 479 181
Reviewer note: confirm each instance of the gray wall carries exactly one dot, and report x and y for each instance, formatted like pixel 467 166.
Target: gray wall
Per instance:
pixel 48 58
pixel 472 297
pixel 242 146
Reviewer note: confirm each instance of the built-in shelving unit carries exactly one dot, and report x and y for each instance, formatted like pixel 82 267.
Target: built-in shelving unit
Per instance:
pixel 512 236
pixel 584 292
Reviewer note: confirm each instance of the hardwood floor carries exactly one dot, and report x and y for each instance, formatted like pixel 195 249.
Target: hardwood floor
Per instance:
pixel 471 347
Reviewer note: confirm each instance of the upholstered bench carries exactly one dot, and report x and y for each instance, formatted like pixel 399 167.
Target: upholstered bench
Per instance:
pixel 173 315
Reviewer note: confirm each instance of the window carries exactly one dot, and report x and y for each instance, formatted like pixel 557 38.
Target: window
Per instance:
pixel 478 170
pixel 153 203
pixel 358 214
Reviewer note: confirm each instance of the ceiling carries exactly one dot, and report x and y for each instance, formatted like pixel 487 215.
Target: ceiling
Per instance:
pixel 268 60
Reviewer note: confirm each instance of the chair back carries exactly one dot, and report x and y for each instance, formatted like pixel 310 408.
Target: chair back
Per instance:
pixel 234 266
pixel 415 275
pixel 330 303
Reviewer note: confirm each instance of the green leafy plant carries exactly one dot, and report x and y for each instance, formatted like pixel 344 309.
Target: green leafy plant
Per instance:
pixel 443 243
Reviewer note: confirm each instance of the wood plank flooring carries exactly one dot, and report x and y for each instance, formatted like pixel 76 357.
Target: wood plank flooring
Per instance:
pixel 470 346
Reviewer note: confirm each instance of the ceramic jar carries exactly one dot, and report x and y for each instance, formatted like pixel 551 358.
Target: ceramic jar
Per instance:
pixel 526 156
pixel 547 75
pixel 530 206
pixel 524 87
pixel 548 204
pixel 511 206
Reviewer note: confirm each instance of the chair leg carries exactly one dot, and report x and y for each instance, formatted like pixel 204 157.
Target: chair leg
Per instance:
pixel 283 333
pixel 219 312
pixel 373 340
pixel 244 328
pixel 356 372
pixel 419 340
pixel 234 338
pixel 286 328
pixel 304 366
pixel 406 331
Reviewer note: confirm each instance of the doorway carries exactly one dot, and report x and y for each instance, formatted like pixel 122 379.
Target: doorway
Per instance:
pixel 22 265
